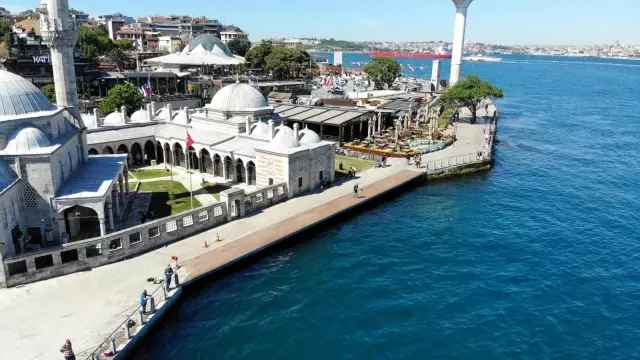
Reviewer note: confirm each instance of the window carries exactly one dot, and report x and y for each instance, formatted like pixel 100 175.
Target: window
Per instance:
pixel 154 232
pixel 19 267
pixel 187 221
pixel 44 261
pixel 203 216
pixel 259 197
pixel 300 182
pixel 94 250
pixel 3 217
pixel 280 190
pixel 115 244
pixel 270 194
pixel 217 211
pixel 270 181
pixel 69 256
pixel 321 176
pixel 135 238
pixel 29 195
pixel 171 226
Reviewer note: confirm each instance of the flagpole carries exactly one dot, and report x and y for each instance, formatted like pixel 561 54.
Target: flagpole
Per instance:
pixel 189 170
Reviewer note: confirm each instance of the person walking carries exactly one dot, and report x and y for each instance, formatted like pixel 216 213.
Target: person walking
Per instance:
pixel 408 159
pixel 355 190
pixel 143 301
pixel 168 273
pixel 67 351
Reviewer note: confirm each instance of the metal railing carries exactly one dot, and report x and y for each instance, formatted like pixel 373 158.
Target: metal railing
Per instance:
pixel 455 161
pixel 131 325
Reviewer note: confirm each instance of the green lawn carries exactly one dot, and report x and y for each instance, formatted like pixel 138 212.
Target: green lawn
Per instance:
pixel 142 174
pixel 169 197
pixel 348 162
pixel 132 185
pixel 215 189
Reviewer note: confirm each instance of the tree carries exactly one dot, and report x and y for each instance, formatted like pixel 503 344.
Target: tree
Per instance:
pixel 287 63
pixel 121 95
pixel 257 56
pixel 118 57
pixel 238 47
pixel 124 45
pixel 383 71
pixel 469 92
pixel 50 92
pixel 94 43
pixel 32 33
pixel 178 47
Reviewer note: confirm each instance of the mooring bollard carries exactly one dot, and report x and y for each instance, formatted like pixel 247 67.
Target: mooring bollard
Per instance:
pixel 141 317
pixel 176 280
pixel 113 345
pixel 128 331
pixel 164 292
pixel 152 305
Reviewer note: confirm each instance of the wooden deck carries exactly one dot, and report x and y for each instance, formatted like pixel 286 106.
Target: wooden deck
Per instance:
pixel 255 242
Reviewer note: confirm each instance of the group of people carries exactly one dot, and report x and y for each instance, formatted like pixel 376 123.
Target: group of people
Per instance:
pixel 382 162
pixel 417 159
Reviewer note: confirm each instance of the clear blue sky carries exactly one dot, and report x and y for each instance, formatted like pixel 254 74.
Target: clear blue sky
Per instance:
pixel 490 21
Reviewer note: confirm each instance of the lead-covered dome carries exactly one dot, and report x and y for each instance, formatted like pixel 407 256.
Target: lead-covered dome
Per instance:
pixel 209 43
pixel 238 97
pixel 139 116
pixel 308 136
pixel 113 119
pixel 26 139
pixel 284 139
pixel 18 97
pixel 259 129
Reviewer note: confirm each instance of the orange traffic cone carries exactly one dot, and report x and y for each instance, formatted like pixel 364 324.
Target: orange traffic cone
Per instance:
pixel 205 244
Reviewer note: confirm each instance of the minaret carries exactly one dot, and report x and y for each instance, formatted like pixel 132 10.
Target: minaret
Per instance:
pixel 60 33
pixel 458 38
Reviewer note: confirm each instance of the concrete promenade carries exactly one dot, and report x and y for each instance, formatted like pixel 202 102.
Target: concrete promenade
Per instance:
pixel 87 306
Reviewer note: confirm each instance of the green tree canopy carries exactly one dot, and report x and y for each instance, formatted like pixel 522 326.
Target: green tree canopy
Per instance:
pixel 383 71
pixel 469 92
pixel 239 47
pixel 94 43
pixel 118 57
pixel 6 32
pixel 122 95
pixel 257 55
pixel 124 45
pixel 50 92
pixel 288 63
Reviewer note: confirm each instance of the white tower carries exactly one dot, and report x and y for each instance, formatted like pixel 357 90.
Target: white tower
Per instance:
pixel 458 38
pixel 60 33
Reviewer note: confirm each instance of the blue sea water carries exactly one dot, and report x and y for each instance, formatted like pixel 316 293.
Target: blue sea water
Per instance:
pixel 537 259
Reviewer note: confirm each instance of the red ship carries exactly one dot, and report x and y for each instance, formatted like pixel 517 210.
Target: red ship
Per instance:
pixel 410 55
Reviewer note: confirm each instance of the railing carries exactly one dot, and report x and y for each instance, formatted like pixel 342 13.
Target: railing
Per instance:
pixel 131 325
pixel 455 161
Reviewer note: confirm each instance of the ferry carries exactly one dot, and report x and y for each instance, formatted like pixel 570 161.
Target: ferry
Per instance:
pixel 409 55
pixel 482 58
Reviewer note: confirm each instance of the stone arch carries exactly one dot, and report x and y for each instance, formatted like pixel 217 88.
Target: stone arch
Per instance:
pixel 178 154
pixel 251 173
pixel 228 167
pixel 217 166
pixel 122 149
pixel 159 152
pixel 136 154
pixel 168 155
pixel 240 171
pixel 149 152
pixel 206 164
pixel 107 150
pixel 93 151
pixel 194 162
pixel 81 222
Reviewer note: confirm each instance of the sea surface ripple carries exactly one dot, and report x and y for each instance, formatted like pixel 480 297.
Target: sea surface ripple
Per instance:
pixel 537 259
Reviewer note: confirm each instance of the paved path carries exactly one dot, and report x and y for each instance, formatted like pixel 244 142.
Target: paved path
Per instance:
pixel 87 306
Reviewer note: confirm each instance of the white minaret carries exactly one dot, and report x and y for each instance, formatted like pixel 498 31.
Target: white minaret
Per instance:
pixel 458 38
pixel 60 33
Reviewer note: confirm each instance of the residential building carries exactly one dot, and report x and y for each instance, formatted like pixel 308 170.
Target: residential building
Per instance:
pixel 170 44
pixel 79 16
pixel 136 32
pixel 232 32
pixel 175 25
pixel 113 26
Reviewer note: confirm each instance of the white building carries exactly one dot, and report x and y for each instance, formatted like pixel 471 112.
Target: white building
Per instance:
pixel 230 33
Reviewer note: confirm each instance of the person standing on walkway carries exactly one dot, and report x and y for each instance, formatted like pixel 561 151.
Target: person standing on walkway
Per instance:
pixel 408 159
pixel 67 351
pixel 355 190
pixel 143 301
pixel 168 273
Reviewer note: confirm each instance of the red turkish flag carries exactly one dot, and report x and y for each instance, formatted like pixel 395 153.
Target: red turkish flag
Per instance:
pixel 189 140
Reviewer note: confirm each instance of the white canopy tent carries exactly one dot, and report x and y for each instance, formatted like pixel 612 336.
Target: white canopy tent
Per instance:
pixel 195 57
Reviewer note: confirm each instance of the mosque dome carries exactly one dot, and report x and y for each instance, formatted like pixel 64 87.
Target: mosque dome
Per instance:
pixel 18 96
pixel 308 136
pixel 238 97
pixel 282 129
pixel 209 43
pixel 180 117
pixel 89 121
pixel 259 129
pixel 284 140
pixel 26 139
pixel 141 115
pixel 113 119
pixel 162 114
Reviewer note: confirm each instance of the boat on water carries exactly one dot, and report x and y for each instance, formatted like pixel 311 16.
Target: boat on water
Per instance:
pixel 409 55
pixel 482 58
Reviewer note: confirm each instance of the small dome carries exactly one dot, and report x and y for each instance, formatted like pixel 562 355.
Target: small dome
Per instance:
pixel 180 117
pixel 113 119
pixel 7 176
pixel 282 129
pixel 308 136
pixel 259 129
pixel 89 121
pixel 19 96
pixel 141 115
pixel 162 114
pixel 209 43
pixel 238 97
pixel 27 139
pixel 282 140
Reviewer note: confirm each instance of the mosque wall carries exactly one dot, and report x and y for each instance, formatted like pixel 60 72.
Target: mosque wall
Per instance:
pixel 300 178
pixel 271 166
pixel 11 210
